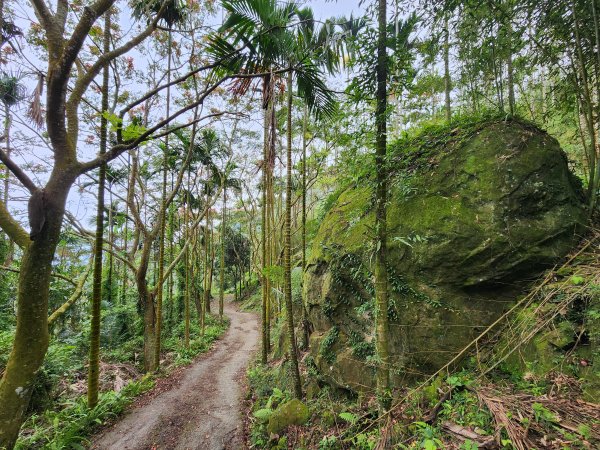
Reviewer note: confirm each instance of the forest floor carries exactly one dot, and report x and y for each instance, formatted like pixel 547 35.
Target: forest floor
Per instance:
pixel 198 407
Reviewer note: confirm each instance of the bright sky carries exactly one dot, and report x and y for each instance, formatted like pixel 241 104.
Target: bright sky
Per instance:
pixel 330 8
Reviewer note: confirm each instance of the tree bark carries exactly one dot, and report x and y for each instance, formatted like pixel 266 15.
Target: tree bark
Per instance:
pixel 222 271
pixel 287 249
pixel 264 236
pixel 447 77
pixel 31 335
pixel 162 220
pixel 381 283
pixel 94 357
pixel 305 323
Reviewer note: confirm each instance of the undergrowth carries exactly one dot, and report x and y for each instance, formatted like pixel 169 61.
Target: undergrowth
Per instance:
pixel 70 426
pixel 69 422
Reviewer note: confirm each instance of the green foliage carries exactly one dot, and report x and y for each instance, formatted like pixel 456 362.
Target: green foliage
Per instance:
pixel 326 347
pixel 297 275
pixel 542 414
pixel 6 341
pixel 214 329
pixel 464 409
pixel 69 427
pixel 328 443
pixel 12 90
pixel 274 273
pixel 326 205
pixel 361 348
pixel 261 380
pixel 348 417
pixel 428 436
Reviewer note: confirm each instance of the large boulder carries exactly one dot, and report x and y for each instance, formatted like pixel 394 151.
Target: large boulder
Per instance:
pixel 473 216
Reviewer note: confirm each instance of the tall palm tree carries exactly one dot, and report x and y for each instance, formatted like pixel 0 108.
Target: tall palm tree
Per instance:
pixel 261 27
pixel 266 30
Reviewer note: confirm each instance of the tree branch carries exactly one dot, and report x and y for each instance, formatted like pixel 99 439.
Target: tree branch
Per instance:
pixel 43 14
pixel 83 82
pixel 120 148
pixel 18 172
pixel 53 274
pixel 74 296
pixel 12 228
pixel 75 42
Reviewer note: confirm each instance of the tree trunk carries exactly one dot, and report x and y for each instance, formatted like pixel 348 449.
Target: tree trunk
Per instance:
pixel 94 358
pixel 187 269
pixel 211 266
pixel 305 323
pixel 287 246
pixel 222 271
pixel 31 335
pixel 509 69
pixel 264 237
pixel 447 77
pixel 381 283
pixel 162 219
pixel 588 111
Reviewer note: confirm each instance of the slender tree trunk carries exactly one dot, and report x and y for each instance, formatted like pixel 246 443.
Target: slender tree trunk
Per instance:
pixel 447 77
pixel 271 230
pixel 287 248
pixel 381 283
pixel 171 242
pixel 187 268
pixel 588 110
pixel 109 277
pixel 211 267
pixel 596 182
pixel 305 324
pixel 205 293
pixel 264 236
pixel 222 271
pixel 125 241
pixel 94 358
pixel 509 67
pixel 162 219
pixel 7 125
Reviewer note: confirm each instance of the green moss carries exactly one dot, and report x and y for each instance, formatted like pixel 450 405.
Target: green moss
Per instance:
pixel 293 412
pixel 475 209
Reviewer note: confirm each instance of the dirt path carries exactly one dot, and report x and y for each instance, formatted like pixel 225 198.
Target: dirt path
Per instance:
pixel 203 411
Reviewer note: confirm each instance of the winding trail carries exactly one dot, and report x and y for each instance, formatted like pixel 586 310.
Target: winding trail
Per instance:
pixel 202 411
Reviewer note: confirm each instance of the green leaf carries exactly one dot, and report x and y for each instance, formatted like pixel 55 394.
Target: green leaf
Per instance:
pixel 577 280
pixel 263 415
pixel 348 417
pixel 429 444
pixel 133 131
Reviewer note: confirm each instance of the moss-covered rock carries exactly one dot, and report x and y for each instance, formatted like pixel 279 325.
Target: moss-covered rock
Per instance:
pixel 472 217
pixel 293 412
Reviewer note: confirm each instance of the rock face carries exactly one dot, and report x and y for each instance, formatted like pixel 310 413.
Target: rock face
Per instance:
pixel 473 217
